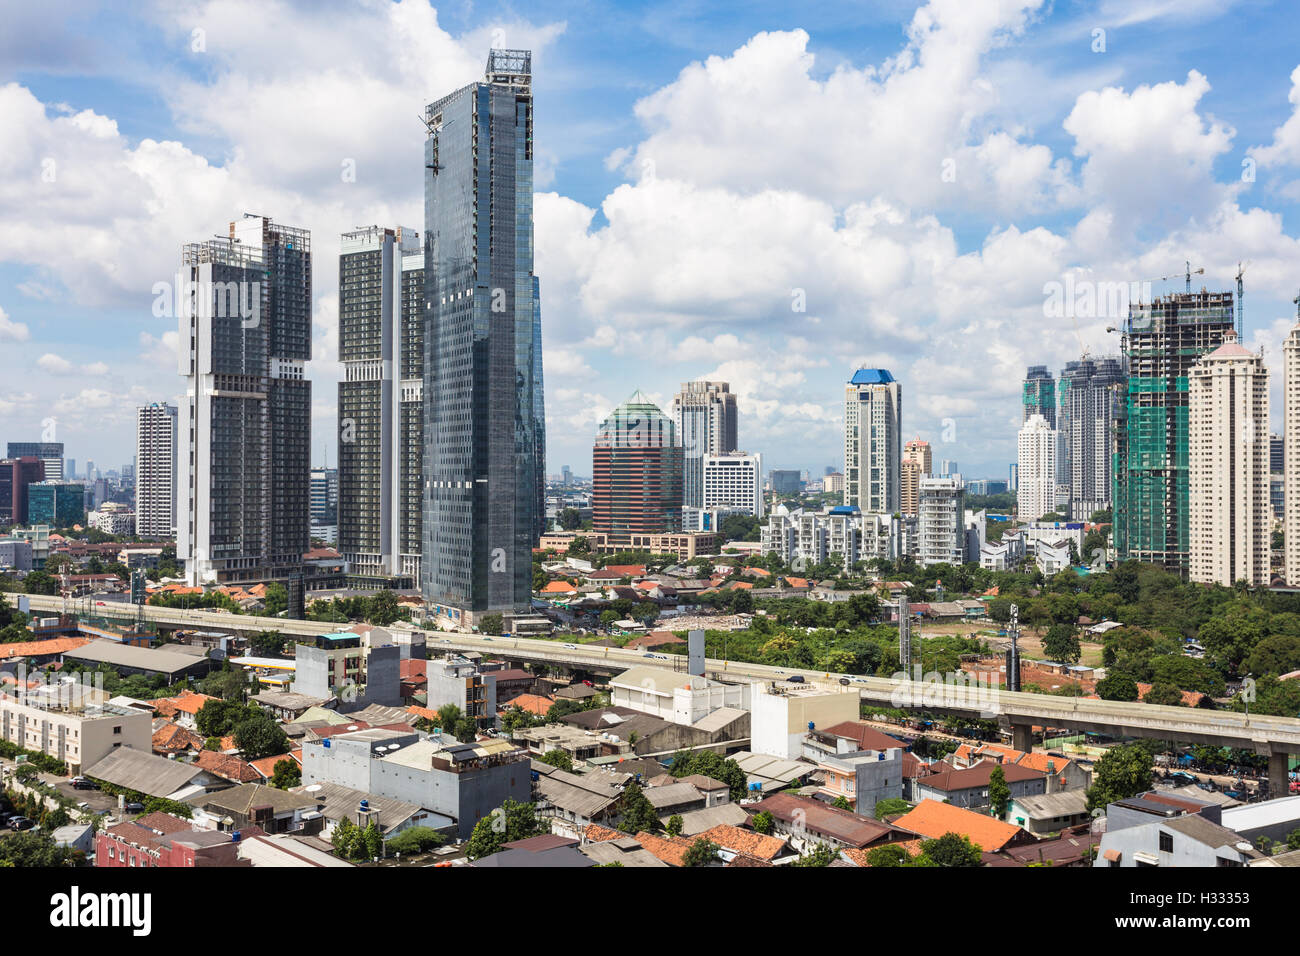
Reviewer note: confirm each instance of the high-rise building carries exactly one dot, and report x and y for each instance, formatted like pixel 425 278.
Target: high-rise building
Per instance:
pixel 59 504
pixel 734 479
pixel 49 452
pixel 16 475
pixel 1291 451
pixel 948 467
pixel 484 462
pixel 705 415
pixel 1276 454
pixel 916 464
pixel 1161 342
pixel 1039 395
pixel 242 506
pixel 940 525
pixel 873 428
pixel 636 473
pixel 1013 477
pixel 784 481
pixel 70 468
pixel 1036 489
pixel 381 404
pixel 1090 389
pixel 324 496
pixel 155 485
pixel 1228 467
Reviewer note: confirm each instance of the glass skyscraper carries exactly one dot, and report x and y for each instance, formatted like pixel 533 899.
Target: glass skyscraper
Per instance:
pixel 483 418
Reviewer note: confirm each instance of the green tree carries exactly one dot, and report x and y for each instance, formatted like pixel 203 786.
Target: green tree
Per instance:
pixel 819 855
pixel 674 825
pixel 951 849
pixel 266 644
pixel 891 807
pixel 999 792
pixel 763 822
pixel 891 854
pixel 416 840
pixel 286 774
pixel 1122 772
pixel 260 735
pixel 382 608
pixel 1117 686
pixel 30 849
pixel 277 599
pixel 841 803
pixel 38 582
pixel 638 813
pixel 485 840
pixel 570 519
pixel 557 758
pixel 1165 694
pixel 1062 644
pixel 491 624
pixel 702 852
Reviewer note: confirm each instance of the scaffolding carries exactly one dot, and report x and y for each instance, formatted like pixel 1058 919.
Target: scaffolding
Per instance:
pixel 1162 340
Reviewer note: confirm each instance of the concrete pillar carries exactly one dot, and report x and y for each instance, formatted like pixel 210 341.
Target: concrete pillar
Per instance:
pixel 1022 737
pixel 1278 781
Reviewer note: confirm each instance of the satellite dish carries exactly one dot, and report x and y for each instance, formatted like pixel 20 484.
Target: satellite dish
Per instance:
pixel 1244 847
pixel 353 727
pixel 314 788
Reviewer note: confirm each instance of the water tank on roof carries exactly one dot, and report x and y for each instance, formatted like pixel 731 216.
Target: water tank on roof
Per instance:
pixel 234 837
pixel 365 806
pixel 811 725
pixel 881 755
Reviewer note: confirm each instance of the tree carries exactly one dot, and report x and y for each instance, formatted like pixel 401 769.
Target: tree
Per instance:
pixel 285 774
pixel 841 803
pixel 645 612
pixel 38 582
pixel 1118 686
pixel 819 855
pixel 890 807
pixel 999 792
pixel 1122 772
pixel 674 825
pixel 1275 655
pixel 705 762
pixel 558 758
pixel 491 623
pixel 266 643
pixel 1165 694
pixel 701 853
pixel 217 718
pixel 951 849
pixel 416 840
pixel 485 840
pixel 607 618
pixel 31 848
pixel 507 823
pixel 260 735
pixel 638 812
pixel 382 608
pixel 277 599
pixel 1062 644
pixel 570 519
pixel 891 854
pixel 763 822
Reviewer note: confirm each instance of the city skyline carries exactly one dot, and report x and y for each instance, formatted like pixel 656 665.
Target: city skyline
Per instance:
pixel 82 345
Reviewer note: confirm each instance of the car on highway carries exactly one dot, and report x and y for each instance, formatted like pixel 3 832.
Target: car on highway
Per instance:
pixel 572 647
pixel 795 679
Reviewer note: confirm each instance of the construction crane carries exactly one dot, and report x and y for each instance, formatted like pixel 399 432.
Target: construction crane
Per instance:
pixel 1187 274
pixel 1241 301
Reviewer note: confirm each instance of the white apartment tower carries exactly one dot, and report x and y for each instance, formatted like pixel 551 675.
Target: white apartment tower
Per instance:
pixel 873 426
pixel 734 480
pixel 1291 453
pixel 1227 467
pixel 941 522
pixel 705 416
pixel 155 470
pixel 916 464
pixel 1037 445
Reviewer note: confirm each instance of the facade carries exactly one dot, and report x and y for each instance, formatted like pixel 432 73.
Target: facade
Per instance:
pixel 873 423
pixel 243 506
pixel 16 475
pixel 863 777
pixel 1162 341
pixel 112 519
pixel 1037 444
pixel 781 714
pixel 484 461
pixel 1230 515
pixel 324 496
pixel 49 452
pixel 155 479
pixel 63 726
pixel 916 464
pixel 833 484
pixel 381 402
pixel 733 480
pixel 1291 453
pixel 463 684
pixel 941 526
pixel 1090 391
pixel 636 472
pixel 59 504
pixel 803 537
pixel 706 419
pixel 785 481
pixel 1039 395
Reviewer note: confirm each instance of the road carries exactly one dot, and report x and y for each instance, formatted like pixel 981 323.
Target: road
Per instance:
pixel 1266 735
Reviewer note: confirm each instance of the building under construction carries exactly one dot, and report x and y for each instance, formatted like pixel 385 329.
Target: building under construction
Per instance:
pixel 1162 340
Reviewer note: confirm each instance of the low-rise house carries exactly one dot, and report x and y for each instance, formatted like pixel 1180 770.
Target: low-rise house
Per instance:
pixel 737 841
pixel 170 738
pixel 846 737
pixel 969 786
pixel 253 804
pixel 604 846
pixel 1049 812
pixel 807 823
pixel 581 745
pixel 728 814
pixel 227 767
pixel 572 802
pixel 284 850
pixel 142 772
pixel 674 798
pixel 548 850
pixel 1274 819
pixel 162 840
pixel 1188 839
pixel 933 819
pixel 338 803
pixel 863 778
pixel 286 705
pixel 1062 772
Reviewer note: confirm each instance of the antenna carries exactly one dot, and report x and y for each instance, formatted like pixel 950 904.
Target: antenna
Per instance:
pixel 1013 661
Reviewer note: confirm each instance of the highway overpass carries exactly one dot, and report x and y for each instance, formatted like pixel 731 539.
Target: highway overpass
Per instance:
pixel 1277 737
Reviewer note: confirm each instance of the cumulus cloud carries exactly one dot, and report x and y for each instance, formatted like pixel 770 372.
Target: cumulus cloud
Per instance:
pixel 11 331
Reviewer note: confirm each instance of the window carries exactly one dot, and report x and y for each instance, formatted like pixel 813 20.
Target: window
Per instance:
pixel 1166 842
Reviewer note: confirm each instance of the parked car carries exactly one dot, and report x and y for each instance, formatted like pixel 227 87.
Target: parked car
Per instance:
pixel 84 783
pixel 19 823
pixel 135 808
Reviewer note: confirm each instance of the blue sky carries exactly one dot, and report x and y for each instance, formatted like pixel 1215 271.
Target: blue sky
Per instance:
pixel 916 173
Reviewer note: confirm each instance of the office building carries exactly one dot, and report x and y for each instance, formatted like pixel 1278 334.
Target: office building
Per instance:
pixel 637 466
pixel 16 476
pixel 1013 477
pixel 73 723
pixel 324 496
pixel 155 485
pixel 49 452
pixel 1038 396
pixel 1162 341
pixel 948 467
pixel 916 464
pixel 243 494
pixel 833 484
pixel 941 527
pixel 59 504
pixel 784 481
pixel 1090 391
pixel 1291 454
pixel 706 420
pixel 381 405
pixel 1228 468
pixel 484 461
pixel 843 534
pixel 1276 454
pixel 734 479
pixel 1036 490
pixel 873 424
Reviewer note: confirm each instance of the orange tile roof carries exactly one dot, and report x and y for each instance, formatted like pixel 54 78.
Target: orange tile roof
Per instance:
pixel 744 841
pixel 1191 698
pixel 532 703
pixel 625 570
pixel 186 702
pixel 173 738
pixel 55 645
pixel 227 766
pixel 758 572
pixel 558 587
pixel 740 585
pixel 796 582
pixel 672 850
pixel 595 833
pixel 266 766
pixel 933 819
pixel 424 712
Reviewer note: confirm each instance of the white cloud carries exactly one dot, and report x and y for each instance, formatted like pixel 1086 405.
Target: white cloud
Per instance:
pixel 11 331
pixel 54 364
pixel 1285 148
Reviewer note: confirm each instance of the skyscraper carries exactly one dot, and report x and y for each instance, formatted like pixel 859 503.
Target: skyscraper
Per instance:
pixel 1090 389
pixel 16 475
pixel 483 418
pixel 873 427
pixel 49 452
pixel 155 482
pixel 917 463
pixel 1291 452
pixel 734 479
pixel 705 415
pixel 941 525
pixel 242 508
pixel 381 405
pixel 1228 468
pixel 1036 490
pixel 1161 342
pixel 636 472
pixel 1039 395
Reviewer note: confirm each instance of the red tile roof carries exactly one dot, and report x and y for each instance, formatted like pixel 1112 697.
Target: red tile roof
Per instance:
pixel 947 778
pixel 55 645
pixel 266 765
pixel 531 703
pixel 866 736
pixel 933 819
pixel 227 766
pixel 186 702
pixel 744 841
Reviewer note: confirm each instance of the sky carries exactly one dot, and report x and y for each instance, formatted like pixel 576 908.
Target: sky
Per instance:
pixel 771 195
